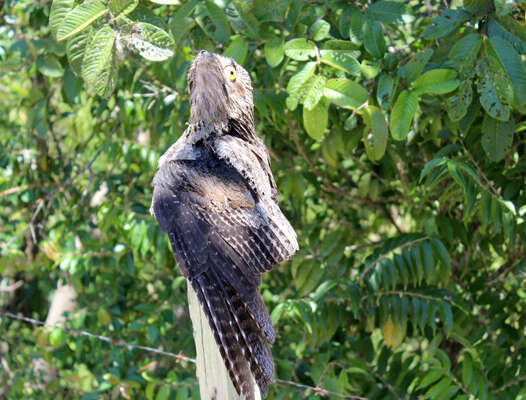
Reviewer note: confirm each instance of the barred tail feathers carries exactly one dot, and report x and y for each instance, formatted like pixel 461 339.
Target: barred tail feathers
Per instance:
pixel 241 343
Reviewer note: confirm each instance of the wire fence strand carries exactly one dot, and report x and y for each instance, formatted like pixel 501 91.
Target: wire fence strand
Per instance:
pixel 178 356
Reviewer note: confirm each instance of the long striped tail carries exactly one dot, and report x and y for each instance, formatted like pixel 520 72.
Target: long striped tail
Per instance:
pixel 242 343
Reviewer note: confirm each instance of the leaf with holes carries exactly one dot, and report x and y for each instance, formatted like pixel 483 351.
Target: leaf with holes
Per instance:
pixel 445 23
pixel 98 63
pixel 344 61
pixel 384 91
pixel 514 67
pixel 509 29
pixel 494 86
pixel 80 17
pixel 149 41
pixel 458 103
pixel 497 137
pixel 300 49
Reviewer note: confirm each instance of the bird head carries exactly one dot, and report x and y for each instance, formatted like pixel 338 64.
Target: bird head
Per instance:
pixel 220 90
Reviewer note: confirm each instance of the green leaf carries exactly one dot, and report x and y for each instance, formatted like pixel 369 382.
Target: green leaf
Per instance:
pixel 444 24
pixel 494 85
pixel 245 10
pixel 315 120
pixel 150 41
pixel 296 85
pixel 164 392
pixel 58 12
pixel 437 391
pixel 222 31
pixel 300 49
pixel 497 137
pixel 402 115
pixel 375 133
pixel 384 90
pixel 447 316
pixel 373 38
pixel 314 91
pixel 75 49
pixel 416 64
pixel 277 312
pixel 80 17
pixel 441 252
pixel 355 299
pixel 98 63
pixel 319 30
pixel 344 61
pixel 390 12
pixel 427 260
pixel 509 29
pixel 431 377
pixel 237 49
pixel 274 52
pixel 505 7
pixel 458 103
pixel 49 65
pixel 357 22
pixel 370 68
pixel 514 67
pixel 120 8
pixel 57 337
pixel 465 51
pixel 436 81
pixel 345 93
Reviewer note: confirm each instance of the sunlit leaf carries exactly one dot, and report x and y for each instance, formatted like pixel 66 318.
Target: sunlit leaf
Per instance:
pixel 80 17
pixel 402 114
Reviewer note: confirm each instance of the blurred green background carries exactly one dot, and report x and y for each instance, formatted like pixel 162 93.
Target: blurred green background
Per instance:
pixel 397 138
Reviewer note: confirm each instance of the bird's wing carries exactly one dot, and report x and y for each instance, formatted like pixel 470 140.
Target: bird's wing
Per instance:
pixel 222 244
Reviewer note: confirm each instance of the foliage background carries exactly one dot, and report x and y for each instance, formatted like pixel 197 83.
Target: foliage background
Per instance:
pixel 397 134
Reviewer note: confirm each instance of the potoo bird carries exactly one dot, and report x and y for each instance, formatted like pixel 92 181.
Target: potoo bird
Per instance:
pixel 216 198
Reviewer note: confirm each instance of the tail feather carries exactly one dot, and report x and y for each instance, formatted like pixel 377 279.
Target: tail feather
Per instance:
pixel 241 342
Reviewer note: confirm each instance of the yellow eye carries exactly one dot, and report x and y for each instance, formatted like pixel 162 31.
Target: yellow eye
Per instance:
pixel 230 73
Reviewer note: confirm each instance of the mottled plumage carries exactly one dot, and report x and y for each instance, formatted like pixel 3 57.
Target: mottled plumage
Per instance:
pixel 215 196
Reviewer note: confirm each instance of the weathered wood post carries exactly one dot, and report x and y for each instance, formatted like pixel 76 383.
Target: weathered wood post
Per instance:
pixel 214 381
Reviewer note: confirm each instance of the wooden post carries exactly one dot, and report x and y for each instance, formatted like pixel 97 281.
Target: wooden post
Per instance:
pixel 214 381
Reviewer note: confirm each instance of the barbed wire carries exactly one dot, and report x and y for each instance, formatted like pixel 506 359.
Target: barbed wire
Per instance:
pixel 178 356
pixel 116 342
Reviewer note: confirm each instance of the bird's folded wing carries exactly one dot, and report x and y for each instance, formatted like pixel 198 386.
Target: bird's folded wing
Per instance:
pixel 222 244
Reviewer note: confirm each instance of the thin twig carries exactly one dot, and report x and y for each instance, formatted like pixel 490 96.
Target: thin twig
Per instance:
pixel 511 383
